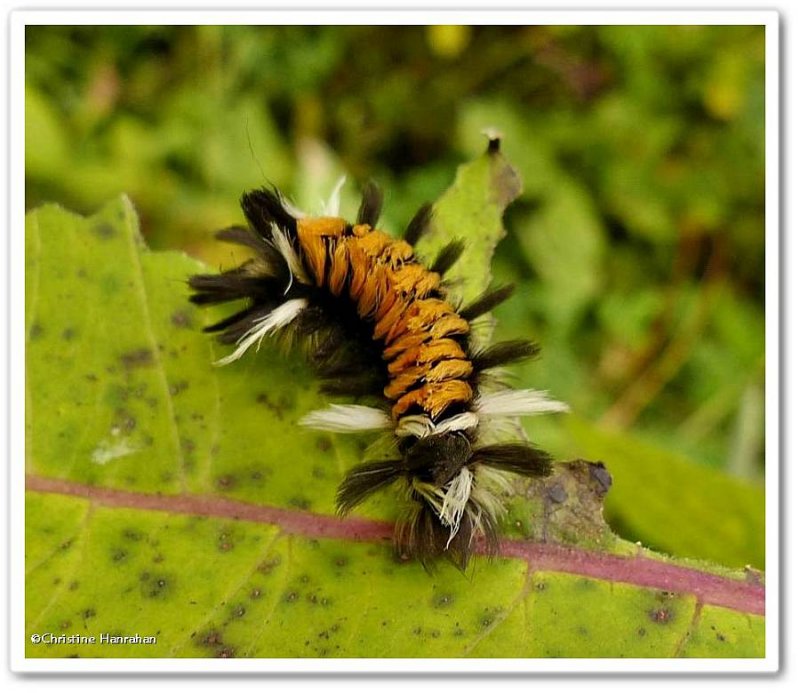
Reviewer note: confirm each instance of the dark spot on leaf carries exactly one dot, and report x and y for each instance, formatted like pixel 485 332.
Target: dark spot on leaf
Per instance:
pixel 155 586
pixel 661 615
pixel 341 561
pixel 125 421
pixel 239 611
pixel 68 334
pixel 641 632
pixel 158 558
pixel 226 481
pixel 132 535
pixel 255 593
pixel 226 653
pixel 104 230
pixel 73 585
pixel 65 544
pixel 435 633
pixel 442 601
pixel 65 624
pixel 137 358
pixel 417 631
pixel 263 398
pixel 89 613
pixel 300 502
pixel 118 555
pixel 319 472
pixel 556 493
pixel 211 639
pixel 224 542
pixel 598 472
pixel 180 318
pixel 304 579
pixel 267 566
pixel 541 586
pixel 36 331
pixel 290 597
pixel 489 617
pixel 91 377
pixel 324 444
pixel 720 637
pixel 177 388
pixel 458 632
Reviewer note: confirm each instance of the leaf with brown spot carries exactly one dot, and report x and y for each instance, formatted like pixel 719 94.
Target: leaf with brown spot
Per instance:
pixel 209 523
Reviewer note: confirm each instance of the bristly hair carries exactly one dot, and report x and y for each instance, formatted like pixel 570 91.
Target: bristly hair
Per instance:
pixel 418 225
pixel 377 325
pixel 447 257
pixel 487 301
pixel 503 353
pixel 371 203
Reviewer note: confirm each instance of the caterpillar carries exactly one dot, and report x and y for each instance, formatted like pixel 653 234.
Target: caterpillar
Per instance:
pixel 377 325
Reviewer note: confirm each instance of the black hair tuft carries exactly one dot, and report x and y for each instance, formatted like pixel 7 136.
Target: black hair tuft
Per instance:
pixel 486 302
pixel 519 458
pixel 364 480
pixel 447 257
pixel 371 204
pixel 419 224
pixel 264 207
pixel 503 353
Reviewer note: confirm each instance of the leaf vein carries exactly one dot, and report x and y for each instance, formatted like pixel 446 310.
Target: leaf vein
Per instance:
pixel 141 292
pixel 84 533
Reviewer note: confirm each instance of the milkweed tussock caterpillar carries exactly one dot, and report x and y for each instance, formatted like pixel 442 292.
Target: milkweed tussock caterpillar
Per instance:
pixel 378 325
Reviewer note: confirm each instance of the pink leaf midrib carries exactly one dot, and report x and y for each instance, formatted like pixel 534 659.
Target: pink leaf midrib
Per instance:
pixel 640 570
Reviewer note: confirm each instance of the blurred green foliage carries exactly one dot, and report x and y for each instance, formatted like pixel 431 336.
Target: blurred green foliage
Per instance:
pixel 637 245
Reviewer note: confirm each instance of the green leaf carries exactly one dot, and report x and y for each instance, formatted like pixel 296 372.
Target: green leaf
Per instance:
pixel 674 505
pixel 172 499
pixel 472 210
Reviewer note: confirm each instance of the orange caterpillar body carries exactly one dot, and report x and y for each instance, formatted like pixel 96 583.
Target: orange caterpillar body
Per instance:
pixel 379 326
pixel 393 292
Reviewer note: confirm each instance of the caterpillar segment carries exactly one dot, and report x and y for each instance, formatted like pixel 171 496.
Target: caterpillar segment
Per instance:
pixel 392 291
pixel 378 325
